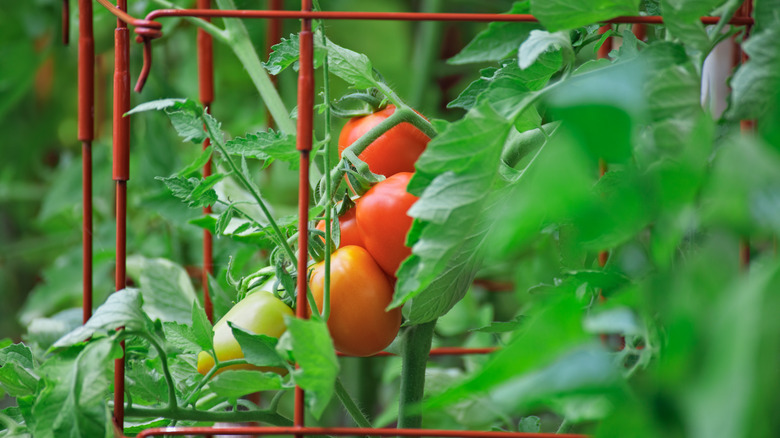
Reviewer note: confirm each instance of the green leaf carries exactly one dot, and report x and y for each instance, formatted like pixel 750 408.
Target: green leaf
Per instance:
pixel 563 14
pixel 167 291
pixel 121 309
pixel 540 42
pixel 233 384
pixel 498 41
pixel 682 18
pixel 196 192
pixel 201 327
pixel 18 377
pixel 754 85
pixel 182 337
pixel 259 350
pixel 579 377
pixel 553 328
pixel 765 14
pixel 198 164
pixel 266 146
pixel 285 54
pixel 459 174
pixel 530 424
pixel 354 68
pixel 157 105
pixel 312 348
pixel 72 402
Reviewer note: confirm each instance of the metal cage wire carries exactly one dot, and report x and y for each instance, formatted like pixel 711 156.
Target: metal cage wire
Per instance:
pixel 148 29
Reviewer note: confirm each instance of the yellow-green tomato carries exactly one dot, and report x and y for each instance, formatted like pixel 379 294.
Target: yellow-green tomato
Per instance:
pixel 260 313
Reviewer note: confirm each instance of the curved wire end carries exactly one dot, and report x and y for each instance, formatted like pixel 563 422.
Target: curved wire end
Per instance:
pixel 147 67
pixel 65 22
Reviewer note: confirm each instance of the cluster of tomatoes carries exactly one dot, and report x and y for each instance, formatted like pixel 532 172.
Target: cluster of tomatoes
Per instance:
pixel 362 272
pixel 372 244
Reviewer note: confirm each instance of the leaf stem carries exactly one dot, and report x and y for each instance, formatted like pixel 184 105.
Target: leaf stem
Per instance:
pixel 172 403
pixel 217 366
pixel 349 404
pixel 415 351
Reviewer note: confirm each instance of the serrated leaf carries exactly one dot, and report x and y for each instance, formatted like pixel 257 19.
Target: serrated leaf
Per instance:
pixel 259 350
pixel 72 402
pixel 167 291
pixel 285 54
pixel 564 14
pixel 354 68
pixel 182 337
pixel 539 42
pixel 498 41
pixel 267 146
pixel 121 309
pixel 233 384
pixel 156 105
pixel 196 192
pixel 455 181
pixel 682 19
pixel 17 371
pixel 313 350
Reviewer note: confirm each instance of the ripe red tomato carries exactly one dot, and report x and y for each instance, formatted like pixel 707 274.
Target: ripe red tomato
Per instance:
pixel 359 293
pixel 383 222
pixel 394 151
pixel 350 235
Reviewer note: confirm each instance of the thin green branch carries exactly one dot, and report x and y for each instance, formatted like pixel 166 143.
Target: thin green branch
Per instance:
pixel 172 403
pixel 207 378
pixel 350 405
pixel 216 140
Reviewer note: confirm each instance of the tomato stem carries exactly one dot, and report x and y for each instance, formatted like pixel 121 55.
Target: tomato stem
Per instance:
pixel 349 404
pixel 328 182
pixel 172 403
pixel 217 141
pixel 416 348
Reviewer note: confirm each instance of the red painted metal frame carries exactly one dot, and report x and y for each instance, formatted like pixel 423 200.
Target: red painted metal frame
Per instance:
pixel 148 29
pixel 346 431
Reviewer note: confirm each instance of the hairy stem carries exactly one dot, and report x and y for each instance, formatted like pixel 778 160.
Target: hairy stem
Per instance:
pixel 163 359
pixel 349 404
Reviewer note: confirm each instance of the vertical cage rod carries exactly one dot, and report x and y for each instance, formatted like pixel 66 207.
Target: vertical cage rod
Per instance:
pixel 206 94
pixel 304 143
pixel 86 129
pixel 121 174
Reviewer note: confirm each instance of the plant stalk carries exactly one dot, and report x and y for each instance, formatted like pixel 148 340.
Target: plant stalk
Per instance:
pixel 415 351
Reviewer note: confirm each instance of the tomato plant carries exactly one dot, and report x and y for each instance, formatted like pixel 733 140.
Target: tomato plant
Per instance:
pixel 394 151
pixel 383 221
pixel 359 293
pixel 260 312
pixel 508 196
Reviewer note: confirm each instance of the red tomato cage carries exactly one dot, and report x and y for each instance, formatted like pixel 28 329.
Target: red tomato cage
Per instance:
pixel 148 29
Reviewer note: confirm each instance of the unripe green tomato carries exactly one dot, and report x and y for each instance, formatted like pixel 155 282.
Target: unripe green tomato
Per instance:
pixel 260 313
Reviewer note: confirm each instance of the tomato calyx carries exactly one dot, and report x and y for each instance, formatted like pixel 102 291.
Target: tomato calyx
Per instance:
pixel 358 104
